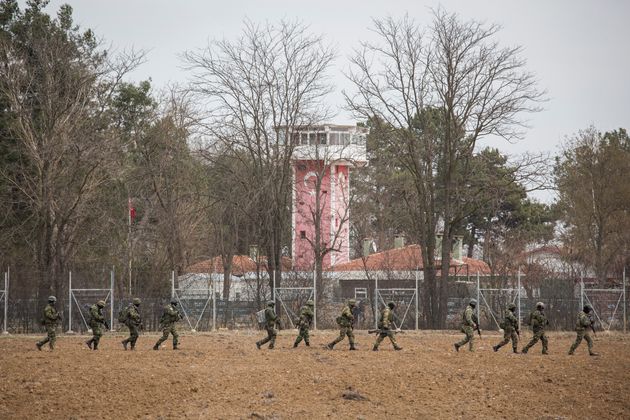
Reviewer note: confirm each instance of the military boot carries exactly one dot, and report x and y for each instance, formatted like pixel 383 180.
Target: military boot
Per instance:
pixel 89 343
pixel 593 354
pixel 308 344
pixel 175 347
pixel 295 344
pixel 156 347
pixel 456 347
pixel 495 348
pixel 95 346
pixel 352 347
pixel 124 343
pixel 514 350
pixel 397 348
pixel 258 345
pixel 39 346
pixel 375 348
pixel 330 346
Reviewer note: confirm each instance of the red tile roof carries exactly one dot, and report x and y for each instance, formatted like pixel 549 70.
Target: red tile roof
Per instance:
pixel 241 264
pixel 409 258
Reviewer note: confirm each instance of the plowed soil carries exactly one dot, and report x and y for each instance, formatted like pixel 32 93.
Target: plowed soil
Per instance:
pixel 223 375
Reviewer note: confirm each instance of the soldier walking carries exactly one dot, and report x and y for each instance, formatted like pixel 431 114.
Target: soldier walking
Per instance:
pixel 97 320
pixel 170 316
pixel 510 329
pixel 346 325
pixel 304 323
pixel 584 322
pixel 49 321
pixel 385 326
pixel 271 321
pixel 538 321
pixel 469 325
pixel 133 321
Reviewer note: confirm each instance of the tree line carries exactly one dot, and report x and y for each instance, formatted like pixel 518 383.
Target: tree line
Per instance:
pixel 99 171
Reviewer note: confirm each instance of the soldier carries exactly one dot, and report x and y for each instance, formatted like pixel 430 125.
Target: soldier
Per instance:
pixel 271 321
pixel 584 322
pixel 469 325
pixel 306 319
pixel 97 320
pixel 170 316
pixel 385 325
pixel 346 325
pixel 510 329
pixel 538 321
pixel 50 319
pixel 133 321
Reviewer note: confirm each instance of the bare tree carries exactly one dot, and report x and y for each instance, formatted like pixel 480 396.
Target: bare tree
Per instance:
pixel 57 84
pixel 256 89
pixel 433 97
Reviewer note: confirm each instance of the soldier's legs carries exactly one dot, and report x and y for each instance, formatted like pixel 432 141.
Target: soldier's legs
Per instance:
pixel 468 339
pixel 52 337
pixel 133 336
pixel 350 334
pixel 514 338
pixel 175 337
pixel 298 339
pixel 532 342
pixel 545 343
pixel 342 335
pixel 97 332
pixel 506 339
pixel 379 340
pixel 589 343
pixel 165 333
pixel 272 333
pixel 306 336
pixel 576 343
pixel 392 338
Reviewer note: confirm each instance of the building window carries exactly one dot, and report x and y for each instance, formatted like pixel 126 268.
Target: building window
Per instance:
pixel 360 293
pixel 304 137
pixel 333 138
pixel 321 138
pixel 302 234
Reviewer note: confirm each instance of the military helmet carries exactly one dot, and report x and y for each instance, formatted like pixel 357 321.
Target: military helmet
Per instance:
pixel 511 306
pixel 52 299
pixel 473 302
pixel 137 301
pixel 174 301
pixel 588 307
pixel 310 303
pixel 352 302
pixel 100 303
pixel 271 303
pixel 391 305
pixel 540 305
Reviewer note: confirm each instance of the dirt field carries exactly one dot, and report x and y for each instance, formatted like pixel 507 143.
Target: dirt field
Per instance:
pixel 223 375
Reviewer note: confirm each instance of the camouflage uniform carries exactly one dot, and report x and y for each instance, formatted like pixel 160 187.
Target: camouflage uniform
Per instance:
pixel 346 326
pixel 538 321
pixel 97 321
pixel 584 322
pixel 306 319
pixel 271 320
pixel 385 325
pixel 51 317
pixel 469 325
pixel 170 316
pixel 510 331
pixel 133 322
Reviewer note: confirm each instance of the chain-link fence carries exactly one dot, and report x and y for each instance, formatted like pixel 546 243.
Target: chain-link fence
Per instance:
pixel 207 305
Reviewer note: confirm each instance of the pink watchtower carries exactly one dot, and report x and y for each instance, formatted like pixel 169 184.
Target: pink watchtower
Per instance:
pixel 325 153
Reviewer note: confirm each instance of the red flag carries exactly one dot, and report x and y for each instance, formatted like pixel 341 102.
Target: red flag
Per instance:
pixel 132 212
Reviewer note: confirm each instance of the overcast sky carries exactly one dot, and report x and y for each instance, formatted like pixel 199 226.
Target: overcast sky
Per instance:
pixel 578 49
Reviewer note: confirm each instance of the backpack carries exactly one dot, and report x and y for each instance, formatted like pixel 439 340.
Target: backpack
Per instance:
pixel 123 314
pixel 260 317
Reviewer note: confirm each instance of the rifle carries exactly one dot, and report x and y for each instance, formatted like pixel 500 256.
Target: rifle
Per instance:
pixel 379 331
pixel 478 331
pixel 106 324
pixel 592 326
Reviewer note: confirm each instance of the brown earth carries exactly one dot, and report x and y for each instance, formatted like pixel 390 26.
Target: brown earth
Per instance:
pixel 223 375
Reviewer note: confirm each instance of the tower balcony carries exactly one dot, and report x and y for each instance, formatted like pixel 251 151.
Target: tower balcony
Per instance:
pixel 343 144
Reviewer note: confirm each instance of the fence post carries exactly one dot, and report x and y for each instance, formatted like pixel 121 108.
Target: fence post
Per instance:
pixel 625 305
pixel 478 302
pixel 314 300
pixel 69 302
pixel 172 284
pixel 417 298
pixel 111 303
pixel 6 300
pixel 273 292
pixel 518 285
pixel 376 300
pixel 214 302
pixel 582 291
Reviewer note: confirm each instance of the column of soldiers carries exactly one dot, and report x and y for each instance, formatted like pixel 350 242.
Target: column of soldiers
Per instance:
pixel 130 316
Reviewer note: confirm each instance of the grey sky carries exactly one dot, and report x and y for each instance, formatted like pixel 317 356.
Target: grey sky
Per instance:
pixel 578 49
